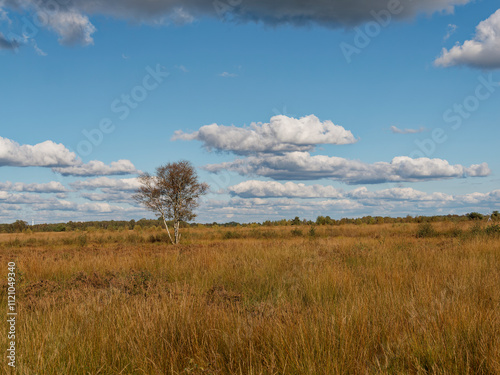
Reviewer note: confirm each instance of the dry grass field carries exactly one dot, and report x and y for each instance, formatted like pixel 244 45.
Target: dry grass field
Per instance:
pixel 345 299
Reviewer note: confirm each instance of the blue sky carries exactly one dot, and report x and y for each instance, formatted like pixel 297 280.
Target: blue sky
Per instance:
pixel 419 124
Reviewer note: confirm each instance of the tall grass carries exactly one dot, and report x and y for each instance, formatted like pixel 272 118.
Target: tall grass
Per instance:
pixel 346 300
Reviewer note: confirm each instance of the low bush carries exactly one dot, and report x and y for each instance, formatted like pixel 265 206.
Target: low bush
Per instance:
pixel 312 232
pixel 493 230
pixel 82 240
pixel 160 237
pixel 476 230
pixel 426 230
pixel 231 235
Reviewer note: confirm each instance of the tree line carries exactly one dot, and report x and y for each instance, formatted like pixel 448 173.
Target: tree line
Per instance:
pixel 22 226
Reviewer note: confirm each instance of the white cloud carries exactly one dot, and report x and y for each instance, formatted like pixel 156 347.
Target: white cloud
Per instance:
pixel 396 130
pixel 72 27
pixel 59 158
pixel 355 203
pixel 4 208
pixel 121 197
pixel 98 168
pixel 77 208
pixel 124 184
pixel 397 194
pixel 55 205
pixel 478 198
pixel 228 75
pixel 266 189
pixel 256 202
pixel 37 49
pixel 481 52
pixel 9 198
pixel 45 154
pixel 303 166
pixel 273 189
pixel 49 187
pixel 261 209
pixel 450 31
pixel 478 170
pixel 112 190
pixel 281 134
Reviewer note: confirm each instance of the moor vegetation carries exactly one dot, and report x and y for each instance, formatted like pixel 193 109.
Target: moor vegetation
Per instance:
pixel 323 299
pixel 21 226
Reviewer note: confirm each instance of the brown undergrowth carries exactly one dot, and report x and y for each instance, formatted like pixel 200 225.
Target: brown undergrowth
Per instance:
pixel 378 299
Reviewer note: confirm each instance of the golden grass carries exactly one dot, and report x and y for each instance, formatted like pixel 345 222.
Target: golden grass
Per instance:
pixel 351 300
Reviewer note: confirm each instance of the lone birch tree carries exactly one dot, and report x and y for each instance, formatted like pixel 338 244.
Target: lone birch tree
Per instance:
pixel 172 193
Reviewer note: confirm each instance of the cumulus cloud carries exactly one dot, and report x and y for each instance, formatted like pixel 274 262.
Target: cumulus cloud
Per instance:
pixel 478 170
pixel 358 202
pixel 258 201
pixel 70 18
pixel 303 166
pixel 114 196
pixel 334 13
pixel 396 130
pixel 4 208
pixel 112 190
pixel 67 19
pixel 426 200
pixel 17 205
pixel 481 52
pixel 124 184
pixel 37 203
pixel 45 154
pixel 281 134
pixel 9 198
pixel 49 187
pixel 72 27
pixel 273 189
pixel 476 198
pixel 98 168
pixel 260 209
pixel 59 158
pixel 397 194
pixel 63 205
pixel 267 189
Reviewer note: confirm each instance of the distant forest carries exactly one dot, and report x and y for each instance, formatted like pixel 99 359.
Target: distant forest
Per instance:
pixel 21 226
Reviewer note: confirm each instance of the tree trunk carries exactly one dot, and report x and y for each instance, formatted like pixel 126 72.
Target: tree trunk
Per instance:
pixel 166 226
pixel 177 235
